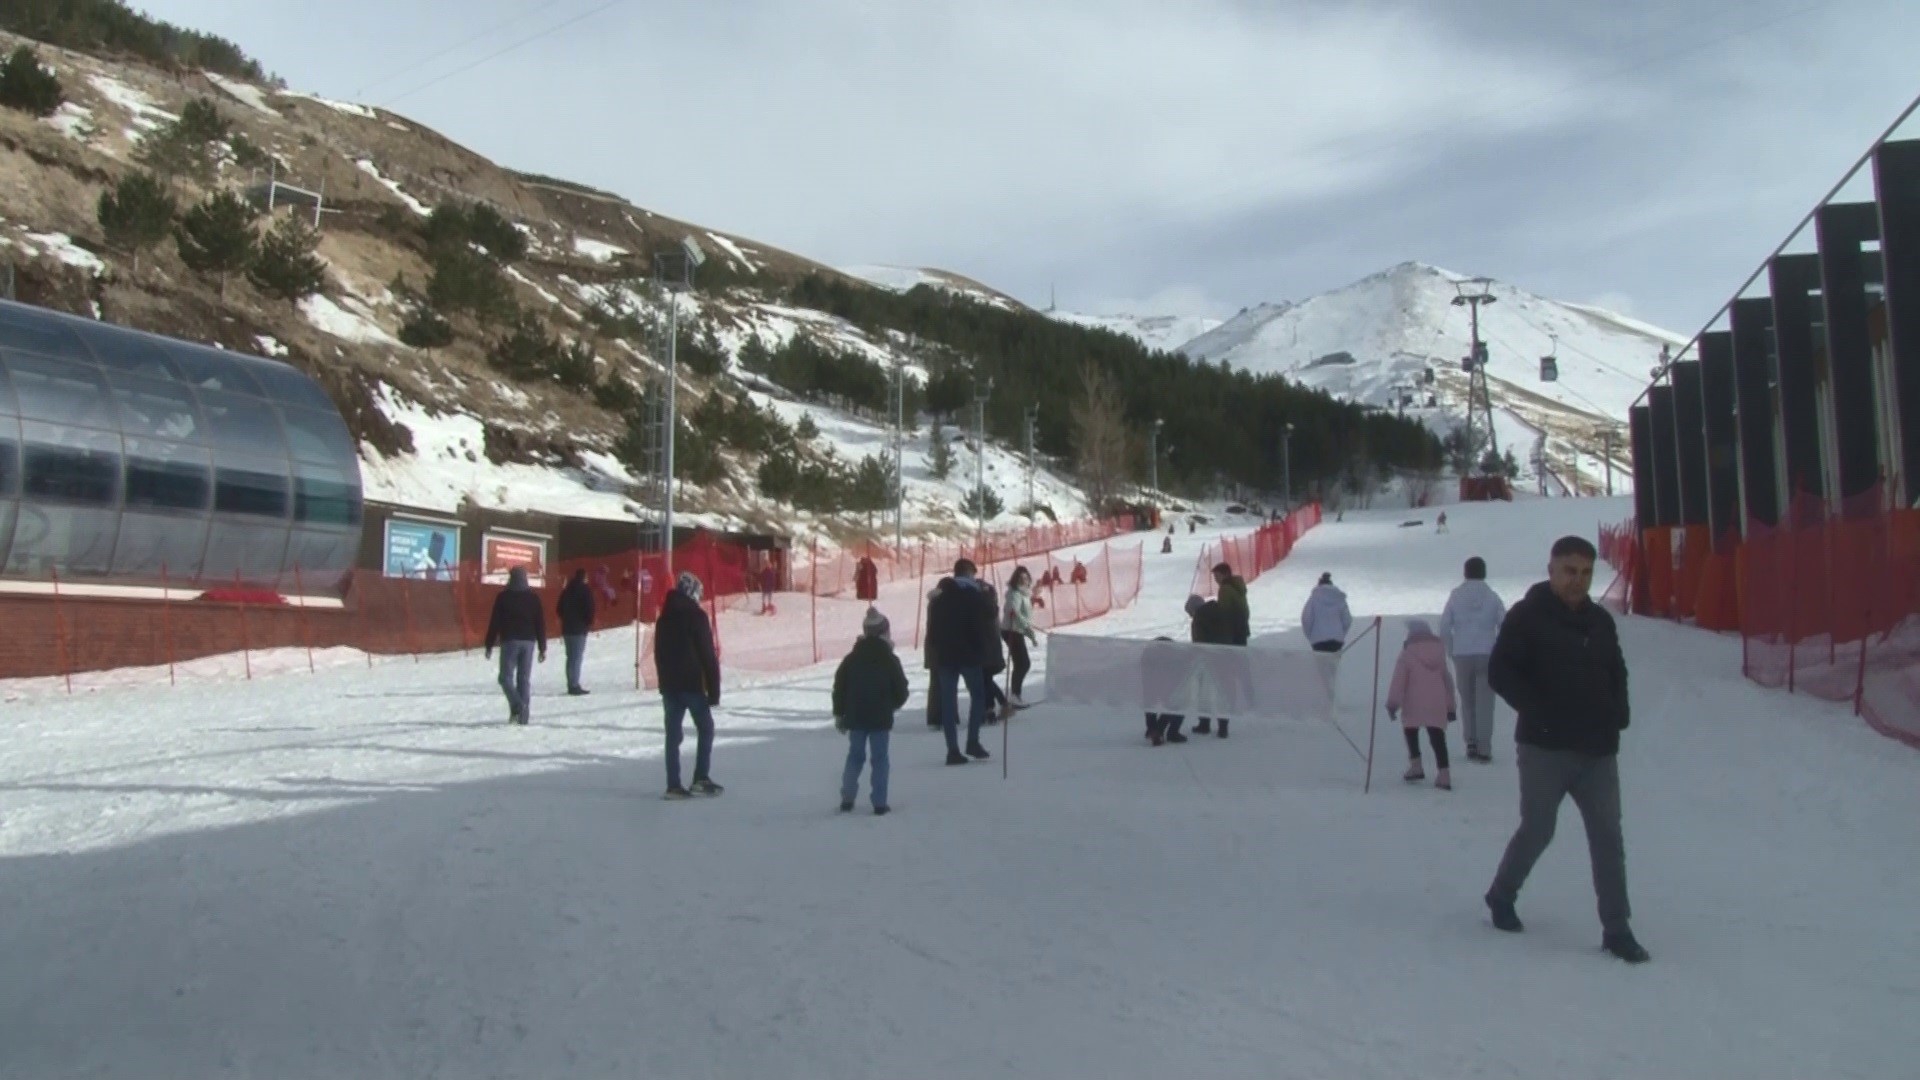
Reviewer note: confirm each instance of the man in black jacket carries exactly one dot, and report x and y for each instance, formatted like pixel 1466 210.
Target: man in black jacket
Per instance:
pixel 960 619
pixel 689 670
pixel 1557 661
pixel 575 609
pixel 518 626
pixel 1227 678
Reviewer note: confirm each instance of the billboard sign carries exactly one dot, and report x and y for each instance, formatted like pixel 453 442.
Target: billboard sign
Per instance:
pixel 422 550
pixel 501 552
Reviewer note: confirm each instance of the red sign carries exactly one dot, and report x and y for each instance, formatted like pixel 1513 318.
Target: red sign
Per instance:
pixel 500 554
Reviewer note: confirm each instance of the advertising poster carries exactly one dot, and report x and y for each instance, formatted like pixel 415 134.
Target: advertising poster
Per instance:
pixel 501 552
pixel 422 550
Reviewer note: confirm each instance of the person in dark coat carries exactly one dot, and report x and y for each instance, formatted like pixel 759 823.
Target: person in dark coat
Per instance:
pixel 575 608
pixel 994 651
pixel 1163 670
pixel 1558 662
pixel 519 627
pixel 959 623
pixel 929 659
pixel 689 671
pixel 1214 623
pixel 869 687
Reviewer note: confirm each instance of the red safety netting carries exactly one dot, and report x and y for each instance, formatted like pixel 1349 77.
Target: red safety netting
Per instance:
pixel 1257 552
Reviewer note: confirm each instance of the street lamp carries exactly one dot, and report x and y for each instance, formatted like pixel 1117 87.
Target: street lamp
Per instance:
pixel 980 396
pixel 690 259
pixel 1155 444
pixel 1286 464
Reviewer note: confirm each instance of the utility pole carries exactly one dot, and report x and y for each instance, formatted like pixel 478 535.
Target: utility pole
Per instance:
pixel 1154 442
pixel 1286 463
pixel 1607 435
pixel 980 396
pixel 690 259
pixel 899 450
pixel 1472 295
pixel 1033 421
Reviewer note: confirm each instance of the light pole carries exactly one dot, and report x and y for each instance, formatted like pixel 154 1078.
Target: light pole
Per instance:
pixel 1033 421
pixel 1473 294
pixel 899 448
pixel 690 259
pixel 980 396
pixel 1286 464
pixel 1154 442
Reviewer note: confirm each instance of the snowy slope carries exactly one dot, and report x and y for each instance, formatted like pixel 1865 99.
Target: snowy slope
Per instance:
pixel 1163 333
pixel 363 873
pixel 904 278
pixel 1375 340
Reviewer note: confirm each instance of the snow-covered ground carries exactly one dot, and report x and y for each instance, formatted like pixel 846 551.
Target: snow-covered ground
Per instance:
pixel 364 873
pixel 1164 333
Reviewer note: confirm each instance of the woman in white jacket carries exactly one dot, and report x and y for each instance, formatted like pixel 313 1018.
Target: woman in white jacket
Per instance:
pixel 1016 630
pixel 1469 626
pixel 1326 620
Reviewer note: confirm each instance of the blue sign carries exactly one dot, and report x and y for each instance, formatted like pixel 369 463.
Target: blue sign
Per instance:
pixel 422 550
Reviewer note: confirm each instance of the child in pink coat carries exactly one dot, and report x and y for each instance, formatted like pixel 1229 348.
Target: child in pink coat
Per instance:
pixel 1422 697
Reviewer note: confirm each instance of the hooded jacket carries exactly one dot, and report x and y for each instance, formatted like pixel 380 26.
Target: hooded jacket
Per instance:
pixel 1422 690
pixel 1325 616
pixel 1562 670
pixel 575 608
pixel 517 616
pixel 1471 620
pixel 869 686
pixel 1233 598
pixel 683 653
pixel 1213 624
pixel 960 620
pixel 1016 615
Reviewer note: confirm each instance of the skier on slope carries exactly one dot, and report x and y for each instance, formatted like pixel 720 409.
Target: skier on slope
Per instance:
pixel 1326 620
pixel 1469 626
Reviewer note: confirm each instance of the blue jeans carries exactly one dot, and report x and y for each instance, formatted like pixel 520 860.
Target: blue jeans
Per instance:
pixel 576 655
pixel 946 689
pixel 858 744
pixel 679 704
pixel 516 675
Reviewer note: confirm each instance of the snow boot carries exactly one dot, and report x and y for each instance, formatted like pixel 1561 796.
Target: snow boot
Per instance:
pixel 978 752
pixel 1623 945
pixel 880 811
pixel 955 757
pixel 846 807
pixel 1415 771
pixel 1176 737
pixel 1223 728
pixel 676 793
pixel 703 786
pixel 1204 727
pixel 1443 780
pixel 1504 917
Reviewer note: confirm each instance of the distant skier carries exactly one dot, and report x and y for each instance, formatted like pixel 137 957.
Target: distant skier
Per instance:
pixel 1558 663
pixel 1326 620
pixel 575 611
pixel 1421 696
pixel 868 688
pixel 1166 545
pixel 1469 626
pixel 519 626
pixel 866 580
pixel 1442 525
pixel 689 672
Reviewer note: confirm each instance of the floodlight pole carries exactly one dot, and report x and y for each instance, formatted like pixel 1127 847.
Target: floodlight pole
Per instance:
pixel 690 259
pixel 899 445
pixel 1033 420
pixel 1153 443
pixel 980 396
pixel 1286 464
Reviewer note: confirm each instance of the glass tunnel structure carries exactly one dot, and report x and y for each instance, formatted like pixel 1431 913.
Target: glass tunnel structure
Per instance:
pixel 127 457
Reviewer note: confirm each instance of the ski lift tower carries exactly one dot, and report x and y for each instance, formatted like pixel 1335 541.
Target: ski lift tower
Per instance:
pixel 1472 294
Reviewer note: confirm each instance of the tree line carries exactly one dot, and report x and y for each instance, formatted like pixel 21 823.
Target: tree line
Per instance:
pixel 110 26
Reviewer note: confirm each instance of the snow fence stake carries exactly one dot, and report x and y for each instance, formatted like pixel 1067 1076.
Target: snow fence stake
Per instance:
pixel 1373 715
pixel 60 630
pixel 246 644
pixel 813 600
pixel 166 619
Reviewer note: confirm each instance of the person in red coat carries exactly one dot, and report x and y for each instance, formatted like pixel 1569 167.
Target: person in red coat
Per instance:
pixel 866 580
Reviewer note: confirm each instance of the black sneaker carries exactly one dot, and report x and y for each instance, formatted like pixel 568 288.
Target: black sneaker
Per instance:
pixel 846 807
pixel 1625 947
pixel 578 691
pixel 1223 728
pixel 955 757
pixel 704 786
pixel 1504 917
pixel 677 793
pixel 880 811
pixel 978 752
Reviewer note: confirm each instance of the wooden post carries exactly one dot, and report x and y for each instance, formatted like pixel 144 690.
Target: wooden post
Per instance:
pixel 246 638
pixel 166 620
pixel 60 630
pixel 813 601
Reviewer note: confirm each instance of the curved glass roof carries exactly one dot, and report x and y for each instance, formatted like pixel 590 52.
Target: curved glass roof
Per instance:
pixel 130 456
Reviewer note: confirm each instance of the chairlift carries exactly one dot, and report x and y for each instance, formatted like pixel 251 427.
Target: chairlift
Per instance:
pixel 1466 363
pixel 1433 401
pixel 1428 378
pixel 1550 363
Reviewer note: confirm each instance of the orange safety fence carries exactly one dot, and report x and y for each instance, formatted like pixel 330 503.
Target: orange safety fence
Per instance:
pixel 1827 602
pixel 1255 553
pixel 61 629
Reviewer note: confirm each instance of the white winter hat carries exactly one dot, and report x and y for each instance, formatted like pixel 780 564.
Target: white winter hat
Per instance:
pixel 688 584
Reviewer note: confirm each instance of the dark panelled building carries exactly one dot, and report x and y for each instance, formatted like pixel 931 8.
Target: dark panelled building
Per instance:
pixel 126 457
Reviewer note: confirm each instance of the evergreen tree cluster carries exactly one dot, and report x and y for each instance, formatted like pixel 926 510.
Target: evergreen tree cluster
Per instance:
pixel 1221 425
pixel 215 236
pixel 806 367
pixel 27 86
pixel 469 246
pixel 193 145
pixel 110 26
pixel 527 353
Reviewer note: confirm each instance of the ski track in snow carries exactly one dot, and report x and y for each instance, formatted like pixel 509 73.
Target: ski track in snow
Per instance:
pixel 364 873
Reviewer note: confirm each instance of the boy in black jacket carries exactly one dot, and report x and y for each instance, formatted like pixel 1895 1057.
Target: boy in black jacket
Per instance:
pixel 689 671
pixel 1558 662
pixel 519 627
pixel 868 688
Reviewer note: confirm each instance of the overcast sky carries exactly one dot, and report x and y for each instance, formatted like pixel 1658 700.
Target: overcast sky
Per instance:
pixel 1168 156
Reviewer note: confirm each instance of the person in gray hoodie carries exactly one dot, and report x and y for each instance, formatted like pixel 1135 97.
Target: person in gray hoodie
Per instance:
pixel 1469 626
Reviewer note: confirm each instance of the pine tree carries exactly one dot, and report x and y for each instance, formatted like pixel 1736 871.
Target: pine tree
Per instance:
pixel 807 429
pixel 286 265
pixel 137 214
pixel 216 237
pixel 983 503
pixel 189 146
pixel 27 86
pixel 939 451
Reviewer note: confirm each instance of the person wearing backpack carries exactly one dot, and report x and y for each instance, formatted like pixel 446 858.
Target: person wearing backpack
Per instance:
pixel 868 688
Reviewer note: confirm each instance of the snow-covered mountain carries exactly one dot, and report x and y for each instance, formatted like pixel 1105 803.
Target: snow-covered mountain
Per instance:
pixel 904 278
pixel 1164 333
pixel 1379 340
